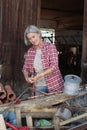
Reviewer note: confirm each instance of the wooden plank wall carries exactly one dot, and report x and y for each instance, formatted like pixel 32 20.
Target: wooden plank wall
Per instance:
pixel 84 47
pixel 15 15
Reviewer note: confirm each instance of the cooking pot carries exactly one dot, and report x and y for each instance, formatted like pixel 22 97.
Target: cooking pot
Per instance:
pixel 72 84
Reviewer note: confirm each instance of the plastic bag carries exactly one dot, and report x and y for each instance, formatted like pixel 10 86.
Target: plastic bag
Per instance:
pixel 43 122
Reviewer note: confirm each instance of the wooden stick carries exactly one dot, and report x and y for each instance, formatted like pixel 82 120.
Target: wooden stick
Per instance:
pixel 73 119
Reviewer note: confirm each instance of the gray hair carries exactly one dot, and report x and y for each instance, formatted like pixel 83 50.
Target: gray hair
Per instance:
pixel 30 29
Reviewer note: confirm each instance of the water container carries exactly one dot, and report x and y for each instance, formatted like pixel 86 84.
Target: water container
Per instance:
pixel 72 84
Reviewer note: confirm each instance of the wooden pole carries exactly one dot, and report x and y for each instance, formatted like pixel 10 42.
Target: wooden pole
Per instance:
pixel 56 123
pixel 73 119
pixel 44 102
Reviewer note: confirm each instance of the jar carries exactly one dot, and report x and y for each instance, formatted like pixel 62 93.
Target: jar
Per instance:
pixel 72 84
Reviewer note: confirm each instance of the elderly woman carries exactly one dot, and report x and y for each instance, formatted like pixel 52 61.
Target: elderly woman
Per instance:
pixel 41 63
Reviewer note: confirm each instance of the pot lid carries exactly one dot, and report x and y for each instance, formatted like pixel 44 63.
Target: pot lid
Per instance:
pixel 72 79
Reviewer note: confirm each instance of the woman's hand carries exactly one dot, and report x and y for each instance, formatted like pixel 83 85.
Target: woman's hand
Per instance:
pixel 30 80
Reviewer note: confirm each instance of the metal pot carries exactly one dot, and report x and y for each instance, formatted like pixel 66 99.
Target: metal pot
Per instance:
pixel 63 113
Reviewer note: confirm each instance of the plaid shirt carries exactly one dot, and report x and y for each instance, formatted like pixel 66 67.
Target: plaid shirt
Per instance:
pixel 49 60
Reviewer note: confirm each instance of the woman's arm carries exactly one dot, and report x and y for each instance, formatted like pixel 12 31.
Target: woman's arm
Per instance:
pixel 53 63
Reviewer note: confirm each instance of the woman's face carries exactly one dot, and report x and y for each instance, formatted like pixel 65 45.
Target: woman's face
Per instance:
pixel 34 38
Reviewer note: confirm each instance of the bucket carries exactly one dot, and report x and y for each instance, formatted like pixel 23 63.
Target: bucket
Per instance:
pixel 72 84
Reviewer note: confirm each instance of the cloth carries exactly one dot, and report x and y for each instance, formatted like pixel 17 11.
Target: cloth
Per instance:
pixel 49 60
pixel 39 68
pixel 10 117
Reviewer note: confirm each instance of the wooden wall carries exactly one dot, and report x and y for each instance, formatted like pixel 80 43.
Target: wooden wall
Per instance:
pixel 84 47
pixel 15 15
